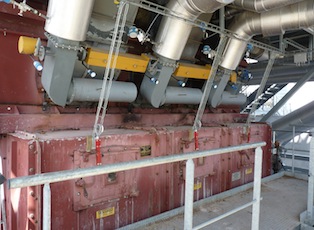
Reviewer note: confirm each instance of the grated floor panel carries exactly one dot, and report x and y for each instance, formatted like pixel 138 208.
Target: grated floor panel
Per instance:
pixel 283 201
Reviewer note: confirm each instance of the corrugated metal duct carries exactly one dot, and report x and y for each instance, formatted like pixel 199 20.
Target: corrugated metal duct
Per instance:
pixel 275 22
pixel 174 32
pixel 263 5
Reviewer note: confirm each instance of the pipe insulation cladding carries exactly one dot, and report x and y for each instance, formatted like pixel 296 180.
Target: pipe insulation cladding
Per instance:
pixel 69 19
pixel 297 16
pixel 173 33
pixel 89 90
pixel 263 5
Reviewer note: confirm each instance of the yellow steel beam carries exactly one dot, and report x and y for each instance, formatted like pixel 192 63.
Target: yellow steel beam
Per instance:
pixel 139 63
pixel 187 70
pixel 129 62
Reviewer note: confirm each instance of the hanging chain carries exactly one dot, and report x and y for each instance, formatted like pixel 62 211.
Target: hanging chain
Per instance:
pixel 209 83
pixel 98 128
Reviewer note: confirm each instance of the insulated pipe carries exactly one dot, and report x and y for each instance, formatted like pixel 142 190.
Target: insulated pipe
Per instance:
pixel 69 19
pixel 275 22
pixel 178 95
pixel 89 90
pixel 174 32
pixel 192 96
pixel 263 5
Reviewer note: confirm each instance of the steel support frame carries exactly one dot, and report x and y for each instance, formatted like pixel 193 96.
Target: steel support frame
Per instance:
pixel 295 88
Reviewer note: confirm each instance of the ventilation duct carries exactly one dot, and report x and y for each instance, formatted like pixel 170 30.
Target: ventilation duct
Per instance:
pixel 263 5
pixel 69 19
pixel 275 22
pixel 173 32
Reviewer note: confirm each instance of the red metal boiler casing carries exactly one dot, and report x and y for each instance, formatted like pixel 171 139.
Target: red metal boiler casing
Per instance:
pixel 122 198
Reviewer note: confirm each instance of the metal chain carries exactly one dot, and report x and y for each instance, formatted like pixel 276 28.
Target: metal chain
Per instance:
pixel 105 91
pixel 209 83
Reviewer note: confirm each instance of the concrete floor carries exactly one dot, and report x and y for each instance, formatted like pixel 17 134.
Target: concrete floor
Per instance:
pixel 283 201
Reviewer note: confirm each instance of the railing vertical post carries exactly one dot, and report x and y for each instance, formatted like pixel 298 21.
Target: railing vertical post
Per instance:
pixel 310 183
pixel 257 188
pixel 47 207
pixel 293 146
pixel 189 192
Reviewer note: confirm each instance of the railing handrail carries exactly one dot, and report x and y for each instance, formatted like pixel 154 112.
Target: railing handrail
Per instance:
pixel 52 177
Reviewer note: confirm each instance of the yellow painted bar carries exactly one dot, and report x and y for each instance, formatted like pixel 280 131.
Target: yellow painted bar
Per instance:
pixel 27 45
pixel 187 70
pixel 139 63
pixel 128 62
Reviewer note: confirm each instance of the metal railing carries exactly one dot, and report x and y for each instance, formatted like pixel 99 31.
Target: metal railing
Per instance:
pixel 52 177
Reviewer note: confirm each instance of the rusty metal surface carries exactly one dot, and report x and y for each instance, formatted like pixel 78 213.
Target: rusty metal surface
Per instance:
pixel 34 119
pixel 111 201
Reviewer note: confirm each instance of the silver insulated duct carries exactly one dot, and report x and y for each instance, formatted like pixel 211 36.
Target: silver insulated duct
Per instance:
pixel 174 32
pixel 69 19
pixel 263 5
pixel 275 22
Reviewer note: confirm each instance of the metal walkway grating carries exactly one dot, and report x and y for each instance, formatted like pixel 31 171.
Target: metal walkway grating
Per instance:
pixel 283 201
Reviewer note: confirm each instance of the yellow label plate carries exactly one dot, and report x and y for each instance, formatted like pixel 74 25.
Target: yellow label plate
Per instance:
pixel 197 186
pixel 104 213
pixel 248 171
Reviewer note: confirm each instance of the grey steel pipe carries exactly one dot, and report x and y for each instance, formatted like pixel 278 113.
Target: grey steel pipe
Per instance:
pixel 192 96
pixel 173 32
pixel 53 177
pixel 69 19
pixel 275 22
pixel 89 90
pixel 178 95
pixel 263 5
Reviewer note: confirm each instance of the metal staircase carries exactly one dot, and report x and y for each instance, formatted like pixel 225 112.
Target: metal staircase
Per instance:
pixel 269 92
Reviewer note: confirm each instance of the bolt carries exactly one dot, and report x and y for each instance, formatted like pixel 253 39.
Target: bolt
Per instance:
pixel 9 108
pixel 31 193
pixel 31 170
pixel 31 147
pixel 78 194
pixel 31 216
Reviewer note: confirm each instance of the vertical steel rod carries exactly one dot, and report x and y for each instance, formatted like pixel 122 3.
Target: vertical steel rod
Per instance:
pixel 293 145
pixel 189 192
pixel 257 188
pixel 47 207
pixel 310 183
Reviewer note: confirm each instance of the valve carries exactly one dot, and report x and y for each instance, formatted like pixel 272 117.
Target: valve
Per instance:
pixel 133 32
pixel 38 66
pixel 154 80
pixel 245 75
pixel 181 83
pixel 249 48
